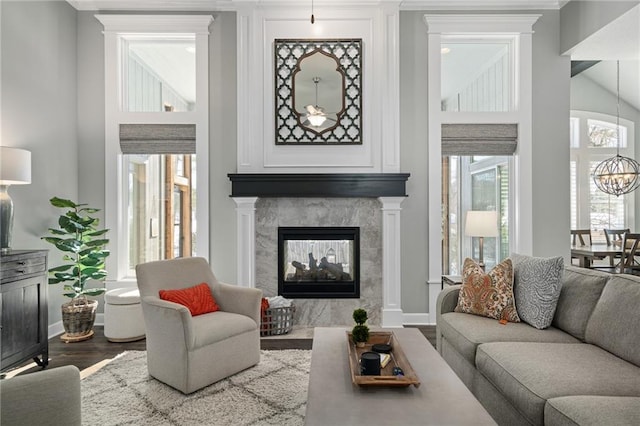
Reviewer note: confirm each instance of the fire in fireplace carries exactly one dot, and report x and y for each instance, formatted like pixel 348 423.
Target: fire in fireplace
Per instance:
pixel 319 262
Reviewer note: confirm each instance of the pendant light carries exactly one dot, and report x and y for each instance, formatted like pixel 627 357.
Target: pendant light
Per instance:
pixel 313 18
pixel 617 175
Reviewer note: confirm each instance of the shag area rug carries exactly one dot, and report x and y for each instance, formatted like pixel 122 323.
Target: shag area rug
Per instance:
pixel 274 392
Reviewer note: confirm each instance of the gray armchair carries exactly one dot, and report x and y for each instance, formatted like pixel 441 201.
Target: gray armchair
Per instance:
pixel 189 353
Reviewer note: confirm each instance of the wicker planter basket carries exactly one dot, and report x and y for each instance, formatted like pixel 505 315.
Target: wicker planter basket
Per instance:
pixel 78 317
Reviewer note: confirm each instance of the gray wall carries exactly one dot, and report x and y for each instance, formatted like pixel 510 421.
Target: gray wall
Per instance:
pixel 222 145
pixel 551 79
pixel 39 113
pixel 414 160
pixel 91 165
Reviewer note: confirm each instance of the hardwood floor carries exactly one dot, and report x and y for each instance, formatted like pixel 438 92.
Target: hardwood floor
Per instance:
pixel 89 352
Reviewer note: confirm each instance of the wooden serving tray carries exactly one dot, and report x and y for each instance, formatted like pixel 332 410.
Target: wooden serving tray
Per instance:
pixel 398 359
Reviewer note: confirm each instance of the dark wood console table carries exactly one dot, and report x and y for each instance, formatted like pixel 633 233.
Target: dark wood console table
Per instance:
pixel 23 308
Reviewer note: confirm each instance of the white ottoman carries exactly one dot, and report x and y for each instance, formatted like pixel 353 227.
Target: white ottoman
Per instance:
pixel 123 321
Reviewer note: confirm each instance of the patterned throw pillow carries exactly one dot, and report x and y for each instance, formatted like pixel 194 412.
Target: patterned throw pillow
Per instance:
pixel 489 295
pixel 537 284
pixel 198 298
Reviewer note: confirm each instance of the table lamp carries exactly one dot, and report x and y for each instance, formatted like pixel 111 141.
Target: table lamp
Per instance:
pixel 15 169
pixel 481 224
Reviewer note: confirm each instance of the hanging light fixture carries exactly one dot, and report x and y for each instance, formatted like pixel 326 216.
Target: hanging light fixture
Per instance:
pixel 313 18
pixel 617 175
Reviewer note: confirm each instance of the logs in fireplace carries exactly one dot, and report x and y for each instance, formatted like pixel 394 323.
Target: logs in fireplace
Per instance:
pixel 319 262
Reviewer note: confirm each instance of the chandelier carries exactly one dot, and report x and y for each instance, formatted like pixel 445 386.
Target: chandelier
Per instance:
pixel 617 175
pixel 315 113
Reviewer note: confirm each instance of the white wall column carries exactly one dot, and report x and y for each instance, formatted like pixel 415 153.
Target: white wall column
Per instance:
pixel 246 240
pixel 391 267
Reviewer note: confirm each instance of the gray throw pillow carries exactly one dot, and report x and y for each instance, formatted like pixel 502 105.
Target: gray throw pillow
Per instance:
pixel 537 284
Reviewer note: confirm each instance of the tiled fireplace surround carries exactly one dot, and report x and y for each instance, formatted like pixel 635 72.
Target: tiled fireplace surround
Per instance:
pixel 258 219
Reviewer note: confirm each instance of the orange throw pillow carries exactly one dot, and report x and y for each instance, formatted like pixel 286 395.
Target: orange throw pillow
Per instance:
pixel 488 295
pixel 198 298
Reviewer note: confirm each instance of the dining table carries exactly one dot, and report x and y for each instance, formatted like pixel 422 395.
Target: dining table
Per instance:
pixel 586 254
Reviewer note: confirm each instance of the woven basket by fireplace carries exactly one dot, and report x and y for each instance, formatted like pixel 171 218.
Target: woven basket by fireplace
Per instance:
pixel 276 321
pixel 78 317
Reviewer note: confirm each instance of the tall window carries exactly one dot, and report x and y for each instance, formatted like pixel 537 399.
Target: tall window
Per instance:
pixel 491 89
pixel 161 206
pixel 474 183
pixel 156 138
pixel 477 74
pixel 594 139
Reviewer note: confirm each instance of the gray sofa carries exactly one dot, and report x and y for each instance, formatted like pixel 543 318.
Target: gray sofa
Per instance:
pixel 48 397
pixel 583 370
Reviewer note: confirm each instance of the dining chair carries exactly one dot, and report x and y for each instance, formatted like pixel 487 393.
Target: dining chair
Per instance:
pixel 580 237
pixel 631 249
pixel 615 236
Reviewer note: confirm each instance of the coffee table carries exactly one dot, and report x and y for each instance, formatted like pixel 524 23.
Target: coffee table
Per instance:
pixel 441 399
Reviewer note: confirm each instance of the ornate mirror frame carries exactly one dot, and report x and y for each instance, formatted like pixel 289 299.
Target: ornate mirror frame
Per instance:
pixel 290 129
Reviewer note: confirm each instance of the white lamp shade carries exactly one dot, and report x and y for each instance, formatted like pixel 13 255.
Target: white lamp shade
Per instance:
pixel 15 166
pixel 481 224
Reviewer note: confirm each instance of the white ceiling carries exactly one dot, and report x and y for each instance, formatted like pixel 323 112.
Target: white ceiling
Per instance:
pixel 620 39
pixel 604 74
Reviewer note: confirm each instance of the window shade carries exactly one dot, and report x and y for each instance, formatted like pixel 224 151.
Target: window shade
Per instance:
pixel 158 138
pixel 479 139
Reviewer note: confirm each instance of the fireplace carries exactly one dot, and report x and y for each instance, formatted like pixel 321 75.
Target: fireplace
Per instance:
pixel 319 262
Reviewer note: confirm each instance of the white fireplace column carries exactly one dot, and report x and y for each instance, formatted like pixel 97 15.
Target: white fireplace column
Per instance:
pixel 246 241
pixel 391 271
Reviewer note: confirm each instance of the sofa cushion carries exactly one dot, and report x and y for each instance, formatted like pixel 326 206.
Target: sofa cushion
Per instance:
pixel 581 289
pixel 528 374
pixel 465 332
pixel 588 410
pixel 489 295
pixel 536 286
pixel 615 322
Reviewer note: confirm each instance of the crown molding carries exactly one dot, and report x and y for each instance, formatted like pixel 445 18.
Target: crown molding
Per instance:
pixel 222 5
pixel 485 23
pixel 156 23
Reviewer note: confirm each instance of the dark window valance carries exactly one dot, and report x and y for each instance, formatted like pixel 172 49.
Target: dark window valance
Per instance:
pixel 479 139
pixel 158 138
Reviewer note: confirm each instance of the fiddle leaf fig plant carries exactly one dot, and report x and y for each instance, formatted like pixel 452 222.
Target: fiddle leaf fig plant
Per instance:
pixel 83 247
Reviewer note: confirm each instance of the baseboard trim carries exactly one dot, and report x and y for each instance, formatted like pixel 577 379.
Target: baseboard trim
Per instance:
pixel 55 329
pixel 417 319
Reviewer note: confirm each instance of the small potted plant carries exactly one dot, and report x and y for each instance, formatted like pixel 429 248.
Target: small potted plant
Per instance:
pixel 360 332
pixel 83 247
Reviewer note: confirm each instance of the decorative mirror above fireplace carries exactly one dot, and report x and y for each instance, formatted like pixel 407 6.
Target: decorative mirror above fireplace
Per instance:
pixel 318 92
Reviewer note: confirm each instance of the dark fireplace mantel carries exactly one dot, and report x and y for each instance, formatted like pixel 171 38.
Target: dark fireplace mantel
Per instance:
pixel 367 185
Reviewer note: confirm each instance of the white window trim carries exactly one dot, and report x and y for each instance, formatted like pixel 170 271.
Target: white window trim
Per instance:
pixel 583 152
pixel 116 27
pixel 519 28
